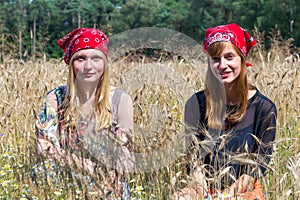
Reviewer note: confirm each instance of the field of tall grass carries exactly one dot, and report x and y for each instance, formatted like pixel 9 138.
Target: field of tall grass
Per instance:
pixel 158 88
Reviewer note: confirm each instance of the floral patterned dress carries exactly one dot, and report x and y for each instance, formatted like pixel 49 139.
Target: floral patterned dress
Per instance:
pixel 50 125
pixel 49 120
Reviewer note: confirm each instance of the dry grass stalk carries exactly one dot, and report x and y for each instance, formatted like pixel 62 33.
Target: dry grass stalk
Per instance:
pixel 24 85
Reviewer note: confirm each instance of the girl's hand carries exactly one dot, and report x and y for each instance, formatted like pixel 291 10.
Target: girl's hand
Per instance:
pixel 185 194
pixel 89 166
pixel 243 184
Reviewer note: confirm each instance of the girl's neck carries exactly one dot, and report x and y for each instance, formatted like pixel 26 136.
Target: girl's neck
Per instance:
pixel 231 94
pixel 86 97
pixel 86 94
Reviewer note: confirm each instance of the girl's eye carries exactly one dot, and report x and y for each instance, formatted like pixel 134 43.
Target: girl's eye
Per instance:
pixel 230 56
pixel 96 59
pixel 80 58
pixel 216 59
pixel 84 58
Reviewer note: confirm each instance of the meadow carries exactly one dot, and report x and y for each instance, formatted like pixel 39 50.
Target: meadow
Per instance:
pixel 158 88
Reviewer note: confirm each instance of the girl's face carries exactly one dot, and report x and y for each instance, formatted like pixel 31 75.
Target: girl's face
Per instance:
pixel 227 66
pixel 88 65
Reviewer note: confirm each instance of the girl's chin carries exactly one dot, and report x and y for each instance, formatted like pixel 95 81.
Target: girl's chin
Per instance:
pixel 228 82
pixel 88 80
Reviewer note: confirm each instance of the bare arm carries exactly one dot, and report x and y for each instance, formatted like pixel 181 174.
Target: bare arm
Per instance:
pixel 125 133
pixel 48 150
pixel 48 144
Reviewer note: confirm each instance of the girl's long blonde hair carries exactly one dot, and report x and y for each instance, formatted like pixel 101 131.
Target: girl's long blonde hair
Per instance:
pixel 101 104
pixel 216 96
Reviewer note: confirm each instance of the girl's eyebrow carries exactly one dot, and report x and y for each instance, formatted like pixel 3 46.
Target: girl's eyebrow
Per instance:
pixel 231 52
pixel 96 56
pixel 91 55
pixel 80 54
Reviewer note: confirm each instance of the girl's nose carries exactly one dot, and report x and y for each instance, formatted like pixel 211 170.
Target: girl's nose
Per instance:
pixel 88 64
pixel 222 63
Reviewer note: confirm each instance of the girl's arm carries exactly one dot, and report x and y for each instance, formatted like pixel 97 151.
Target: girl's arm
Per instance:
pixel 60 156
pixel 125 133
pixel 47 132
pixel 266 131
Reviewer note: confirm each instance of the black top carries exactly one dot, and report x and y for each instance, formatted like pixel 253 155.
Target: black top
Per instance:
pixel 245 147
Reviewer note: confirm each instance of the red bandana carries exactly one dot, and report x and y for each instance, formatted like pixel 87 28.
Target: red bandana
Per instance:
pixel 83 38
pixel 230 33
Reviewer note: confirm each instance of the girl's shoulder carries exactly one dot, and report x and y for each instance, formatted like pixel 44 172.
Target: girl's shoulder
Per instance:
pixel 263 98
pixel 60 90
pixel 200 95
pixel 117 94
pixel 56 96
pixel 201 99
pixel 197 100
pixel 263 103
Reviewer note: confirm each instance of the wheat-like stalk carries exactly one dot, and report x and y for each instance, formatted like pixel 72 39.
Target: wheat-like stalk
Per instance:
pixel 294 170
pixel 158 88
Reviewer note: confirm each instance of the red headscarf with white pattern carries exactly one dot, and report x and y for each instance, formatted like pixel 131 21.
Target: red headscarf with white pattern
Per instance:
pixel 230 33
pixel 83 38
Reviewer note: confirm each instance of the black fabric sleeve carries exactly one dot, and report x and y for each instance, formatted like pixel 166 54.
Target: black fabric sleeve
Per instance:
pixel 192 113
pixel 266 132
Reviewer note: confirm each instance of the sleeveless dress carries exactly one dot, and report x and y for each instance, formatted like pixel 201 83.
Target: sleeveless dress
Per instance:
pixel 50 125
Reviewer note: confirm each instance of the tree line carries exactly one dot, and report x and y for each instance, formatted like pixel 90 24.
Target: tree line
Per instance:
pixel 31 28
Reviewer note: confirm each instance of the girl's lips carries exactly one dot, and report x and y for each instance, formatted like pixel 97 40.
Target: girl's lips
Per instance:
pixel 225 74
pixel 88 74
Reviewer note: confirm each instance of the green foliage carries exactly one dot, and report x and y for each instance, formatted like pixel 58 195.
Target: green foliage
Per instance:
pixel 173 15
pixel 53 19
pixel 134 14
